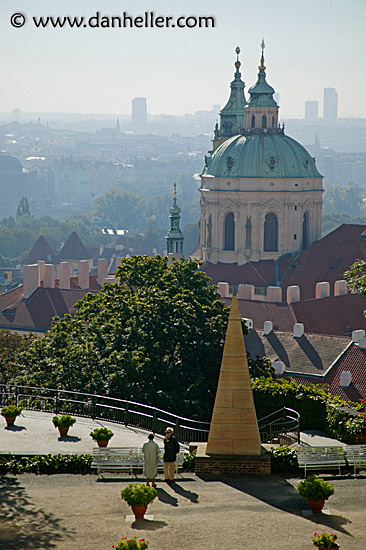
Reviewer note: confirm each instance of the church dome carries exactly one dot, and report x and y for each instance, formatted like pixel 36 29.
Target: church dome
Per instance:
pixel 261 155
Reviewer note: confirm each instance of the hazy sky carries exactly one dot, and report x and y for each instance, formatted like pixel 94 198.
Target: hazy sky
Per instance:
pixel 310 45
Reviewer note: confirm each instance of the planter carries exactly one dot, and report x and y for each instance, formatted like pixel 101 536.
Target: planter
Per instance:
pixel 103 443
pixel 10 420
pixel 63 430
pixel 361 436
pixel 139 511
pixel 316 505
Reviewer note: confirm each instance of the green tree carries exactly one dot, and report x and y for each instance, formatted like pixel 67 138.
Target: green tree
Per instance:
pixel 120 207
pixel 10 344
pixel 356 278
pixel 344 198
pixel 23 208
pixel 156 338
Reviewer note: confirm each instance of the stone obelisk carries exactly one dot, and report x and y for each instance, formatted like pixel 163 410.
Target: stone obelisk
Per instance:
pixel 234 427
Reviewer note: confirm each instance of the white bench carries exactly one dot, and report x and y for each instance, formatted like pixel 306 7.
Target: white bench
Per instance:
pixel 321 458
pixel 356 456
pixel 126 459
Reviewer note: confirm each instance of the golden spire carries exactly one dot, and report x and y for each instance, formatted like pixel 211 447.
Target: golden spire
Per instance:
pixel 262 67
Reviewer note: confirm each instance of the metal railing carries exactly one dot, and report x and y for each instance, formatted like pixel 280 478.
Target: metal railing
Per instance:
pixel 130 413
pixel 99 407
pixel 285 421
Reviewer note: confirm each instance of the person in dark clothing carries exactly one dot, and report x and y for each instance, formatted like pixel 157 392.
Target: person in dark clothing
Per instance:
pixel 171 449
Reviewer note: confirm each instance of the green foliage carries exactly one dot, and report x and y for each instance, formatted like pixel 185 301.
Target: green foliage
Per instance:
pixel 23 208
pixel 189 461
pixel 50 464
pixel 334 219
pixel 157 339
pixel 315 488
pixel 132 544
pixel 10 344
pixel 343 198
pixel 260 367
pixel 63 421
pixel 101 434
pixel 119 207
pixel 324 540
pixel 11 410
pixel 356 277
pixel 138 494
pixel 283 460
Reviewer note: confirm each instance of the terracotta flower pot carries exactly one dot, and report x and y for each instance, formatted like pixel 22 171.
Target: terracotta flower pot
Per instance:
pixel 139 511
pixel 316 505
pixel 103 443
pixel 63 430
pixel 10 420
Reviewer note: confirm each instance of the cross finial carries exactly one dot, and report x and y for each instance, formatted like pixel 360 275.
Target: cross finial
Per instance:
pixel 262 58
pixel 237 51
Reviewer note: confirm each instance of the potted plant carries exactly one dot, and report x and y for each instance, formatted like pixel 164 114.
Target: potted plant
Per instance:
pixel 138 496
pixel 325 541
pixel 101 436
pixel 63 423
pixel 316 491
pixel 131 544
pixel 10 413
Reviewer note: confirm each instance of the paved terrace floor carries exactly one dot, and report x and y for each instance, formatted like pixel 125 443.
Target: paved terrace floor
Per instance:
pixel 68 512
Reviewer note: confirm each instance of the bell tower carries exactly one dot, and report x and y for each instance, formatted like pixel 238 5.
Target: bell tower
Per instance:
pixel 175 236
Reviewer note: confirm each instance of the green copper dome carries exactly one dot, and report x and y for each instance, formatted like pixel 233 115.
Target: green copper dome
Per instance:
pixel 272 155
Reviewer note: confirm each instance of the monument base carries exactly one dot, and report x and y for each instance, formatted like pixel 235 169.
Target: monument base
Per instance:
pixel 231 464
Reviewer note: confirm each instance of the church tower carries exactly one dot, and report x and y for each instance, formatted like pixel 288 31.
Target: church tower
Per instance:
pixel 261 193
pixel 175 236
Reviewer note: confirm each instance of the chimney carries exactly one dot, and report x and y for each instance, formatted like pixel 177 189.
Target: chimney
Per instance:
pixel 267 327
pixel 274 294
pixel 322 290
pixel 41 265
pixel 279 367
pixel 49 276
pixel 102 270
pixel 340 288
pixel 30 279
pixel 356 335
pixel 298 330
pixel 83 274
pixel 246 292
pixel 64 275
pixel 223 289
pixel 101 249
pixel 293 294
pixel 345 379
pixel 362 343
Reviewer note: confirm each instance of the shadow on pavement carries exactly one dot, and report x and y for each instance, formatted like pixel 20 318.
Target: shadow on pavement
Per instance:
pixel 22 525
pixel 193 497
pixel 148 524
pixel 69 438
pixel 165 497
pixel 15 428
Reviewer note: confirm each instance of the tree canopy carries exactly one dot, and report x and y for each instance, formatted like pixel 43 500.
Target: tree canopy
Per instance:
pixel 156 338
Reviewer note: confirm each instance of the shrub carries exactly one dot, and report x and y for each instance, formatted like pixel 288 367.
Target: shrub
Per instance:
pixel 63 421
pixel 315 488
pixel 324 540
pixel 49 464
pixel 283 460
pixel 101 434
pixel 132 544
pixel 138 494
pixel 189 461
pixel 11 410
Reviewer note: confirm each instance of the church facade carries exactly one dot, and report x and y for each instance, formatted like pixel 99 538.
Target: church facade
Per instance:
pixel 261 193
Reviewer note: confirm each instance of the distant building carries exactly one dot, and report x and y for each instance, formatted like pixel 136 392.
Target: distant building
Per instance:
pixel 139 115
pixel 330 104
pixel 311 110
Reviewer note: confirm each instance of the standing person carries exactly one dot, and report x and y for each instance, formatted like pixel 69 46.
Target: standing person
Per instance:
pixel 151 457
pixel 171 448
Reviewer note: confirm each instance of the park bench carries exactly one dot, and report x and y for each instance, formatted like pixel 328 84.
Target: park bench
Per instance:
pixel 321 458
pixel 356 456
pixel 126 459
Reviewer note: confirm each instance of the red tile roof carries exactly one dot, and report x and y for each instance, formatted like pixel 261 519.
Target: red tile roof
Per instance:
pixel 252 273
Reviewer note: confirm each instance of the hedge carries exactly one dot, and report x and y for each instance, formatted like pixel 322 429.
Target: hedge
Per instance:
pixel 49 464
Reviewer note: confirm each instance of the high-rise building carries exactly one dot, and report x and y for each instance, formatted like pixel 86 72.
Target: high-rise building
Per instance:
pixel 330 104
pixel 311 110
pixel 139 115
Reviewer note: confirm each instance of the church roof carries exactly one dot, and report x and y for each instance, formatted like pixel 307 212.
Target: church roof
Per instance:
pixel 41 250
pixel 261 156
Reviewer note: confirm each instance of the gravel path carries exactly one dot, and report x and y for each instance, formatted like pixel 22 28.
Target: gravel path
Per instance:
pixel 69 512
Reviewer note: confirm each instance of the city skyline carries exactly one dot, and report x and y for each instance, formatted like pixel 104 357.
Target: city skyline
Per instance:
pixel 308 48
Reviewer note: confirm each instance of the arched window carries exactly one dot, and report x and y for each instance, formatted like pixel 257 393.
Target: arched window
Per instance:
pixel 305 230
pixel 270 233
pixel 229 239
pixel 253 121
pixel 264 121
pixel 273 122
